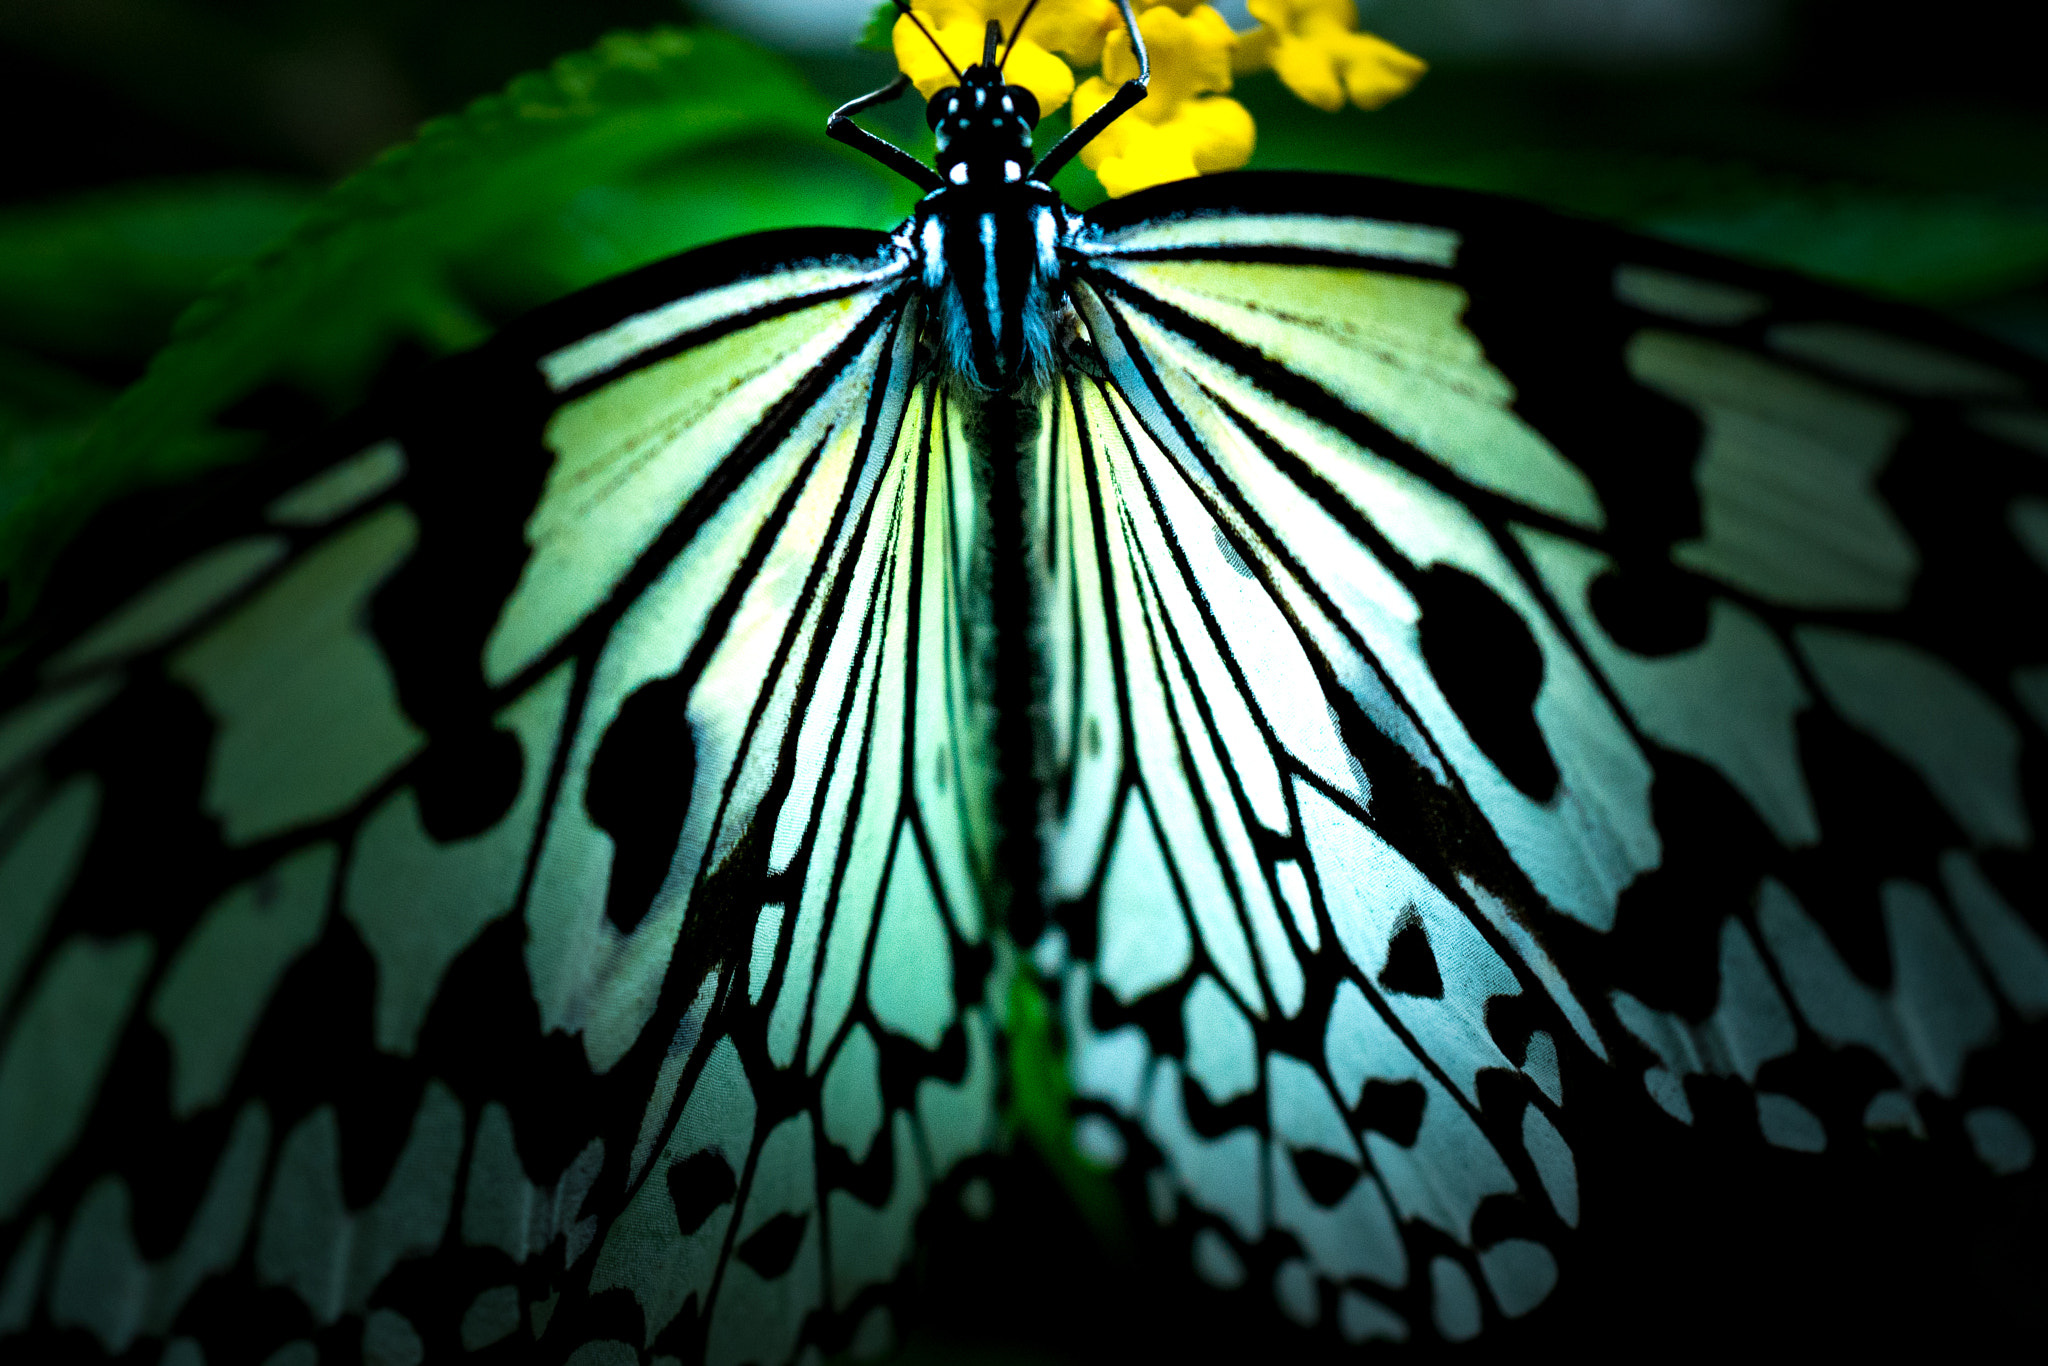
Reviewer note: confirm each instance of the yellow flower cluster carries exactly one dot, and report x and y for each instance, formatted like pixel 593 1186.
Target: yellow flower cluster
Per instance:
pixel 1072 28
pixel 1186 125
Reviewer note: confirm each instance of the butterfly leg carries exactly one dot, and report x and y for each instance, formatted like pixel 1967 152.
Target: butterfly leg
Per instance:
pixel 1091 128
pixel 841 127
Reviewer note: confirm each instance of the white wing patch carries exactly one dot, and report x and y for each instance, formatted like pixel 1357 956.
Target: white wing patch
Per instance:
pixel 1227 828
pixel 1423 244
pixel 851 767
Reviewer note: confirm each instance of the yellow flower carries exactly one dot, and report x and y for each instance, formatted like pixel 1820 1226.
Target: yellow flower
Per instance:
pixel 1074 28
pixel 1315 48
pixel 1182 127
pixel 1185 126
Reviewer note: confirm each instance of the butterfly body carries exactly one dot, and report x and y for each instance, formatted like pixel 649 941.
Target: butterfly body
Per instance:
pixel 988 240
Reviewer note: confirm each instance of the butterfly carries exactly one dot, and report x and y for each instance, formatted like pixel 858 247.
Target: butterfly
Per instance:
pixel 1403 688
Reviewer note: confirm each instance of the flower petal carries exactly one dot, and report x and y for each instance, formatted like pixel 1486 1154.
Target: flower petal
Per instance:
pixel 1075 28
pixel 1316 50
pixel 1190 56
pixel 1049 79
pixel 1220 132
pixel 1376 71
pixel 919 60
pixel 1309 71
pixel 1151 157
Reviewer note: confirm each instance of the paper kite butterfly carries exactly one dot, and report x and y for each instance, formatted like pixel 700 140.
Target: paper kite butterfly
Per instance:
pixel 1410 684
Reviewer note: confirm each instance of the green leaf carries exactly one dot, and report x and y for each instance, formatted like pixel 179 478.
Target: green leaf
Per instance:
pixel 1041 1106
pixel 45 413
pixel 104 275
pixel 877 36
pixel 36 392
pixel 646 145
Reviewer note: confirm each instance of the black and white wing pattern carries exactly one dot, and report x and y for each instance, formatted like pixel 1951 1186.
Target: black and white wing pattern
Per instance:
pixel 524 879
pixel 530 879
pixel 1487 656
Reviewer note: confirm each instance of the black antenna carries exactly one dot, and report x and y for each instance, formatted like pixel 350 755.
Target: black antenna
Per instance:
pixel 904 5
pixel 1015 34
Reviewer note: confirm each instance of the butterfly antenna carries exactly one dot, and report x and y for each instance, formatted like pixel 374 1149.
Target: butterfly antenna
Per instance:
pixel 904 5
pixel 1015 34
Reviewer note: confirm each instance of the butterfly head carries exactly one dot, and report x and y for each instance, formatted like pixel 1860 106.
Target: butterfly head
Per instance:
pixel 983 125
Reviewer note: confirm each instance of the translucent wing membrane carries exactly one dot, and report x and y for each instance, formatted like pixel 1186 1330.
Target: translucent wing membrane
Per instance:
pixel 525 879
pixel 1481 649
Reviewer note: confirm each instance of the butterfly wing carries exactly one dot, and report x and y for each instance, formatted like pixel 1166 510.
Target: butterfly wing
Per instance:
pixel 523 880
pixel 1484 647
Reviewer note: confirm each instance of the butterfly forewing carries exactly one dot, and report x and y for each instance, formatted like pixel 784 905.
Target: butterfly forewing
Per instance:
pixel 1579 600
pixel 568 815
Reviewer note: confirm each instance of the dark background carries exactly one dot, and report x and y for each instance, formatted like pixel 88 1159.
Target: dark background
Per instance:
pixel 1902 147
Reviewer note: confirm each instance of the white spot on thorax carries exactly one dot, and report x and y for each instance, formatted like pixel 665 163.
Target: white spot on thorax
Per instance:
pixel 990 293
pixel 934 245
pixel 1048 242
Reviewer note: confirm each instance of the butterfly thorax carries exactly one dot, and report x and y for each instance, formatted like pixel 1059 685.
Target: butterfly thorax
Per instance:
pixel 987 241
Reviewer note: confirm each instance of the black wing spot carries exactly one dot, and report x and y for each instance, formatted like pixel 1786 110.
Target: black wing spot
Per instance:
pixel 1649 612
pixel 639 793
pixel 1326 1178
pixel 1490 669
pixel 1394 1108
pixel 699 1184
pixel 467 781
pixel 774 1244
pixel 1411 964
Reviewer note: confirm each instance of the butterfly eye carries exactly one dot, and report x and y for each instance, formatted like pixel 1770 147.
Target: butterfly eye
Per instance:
pixel 940 106
pixel 1023 103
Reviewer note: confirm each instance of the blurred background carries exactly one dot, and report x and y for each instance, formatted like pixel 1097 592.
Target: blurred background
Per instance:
pixel 163 152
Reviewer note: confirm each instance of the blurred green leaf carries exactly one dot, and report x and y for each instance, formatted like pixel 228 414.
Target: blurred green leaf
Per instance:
pixel 1041 1106
pixel 646 145
pixel 103 276
pixel 876 35
pixel 720 192
pixel 45 413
